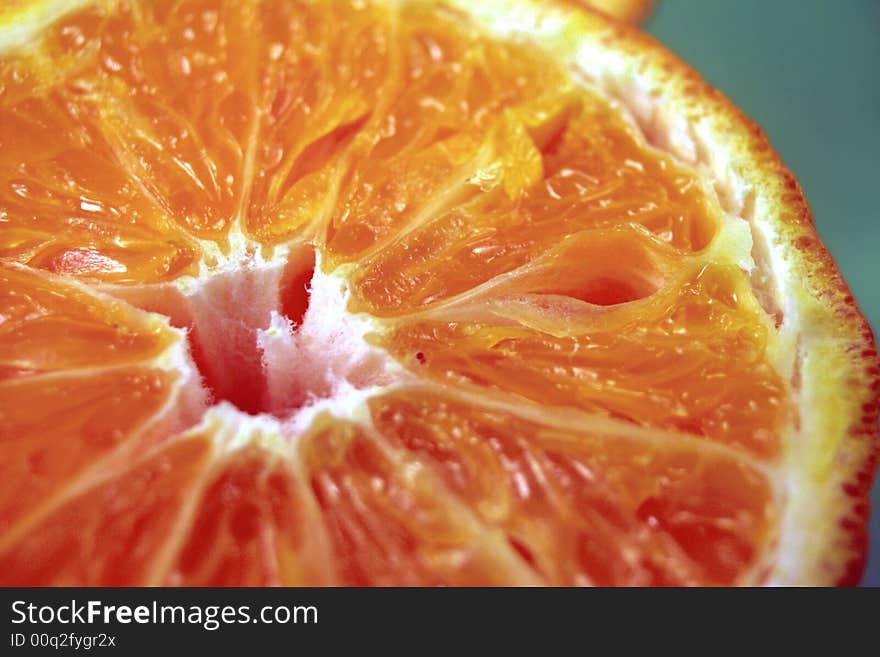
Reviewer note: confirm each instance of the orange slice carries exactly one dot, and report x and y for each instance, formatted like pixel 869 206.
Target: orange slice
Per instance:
pixel 407 293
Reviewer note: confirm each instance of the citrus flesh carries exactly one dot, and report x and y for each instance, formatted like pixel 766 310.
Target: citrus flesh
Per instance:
pixel 630 11
pixel 367 293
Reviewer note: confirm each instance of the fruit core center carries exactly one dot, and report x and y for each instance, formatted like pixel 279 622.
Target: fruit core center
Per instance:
pixel 273 338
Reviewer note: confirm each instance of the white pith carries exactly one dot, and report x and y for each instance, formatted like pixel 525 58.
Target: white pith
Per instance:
pixel 322 364
pixel 346 370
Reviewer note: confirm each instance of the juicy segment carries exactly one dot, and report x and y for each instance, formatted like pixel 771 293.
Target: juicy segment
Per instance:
pixel 585 393
pixel 111 534
pixel 586 179
pixel 699 365
pixel 36 310
pixel 86 381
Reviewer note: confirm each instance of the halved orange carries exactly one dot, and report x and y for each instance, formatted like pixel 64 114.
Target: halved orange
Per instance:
pixel 454 292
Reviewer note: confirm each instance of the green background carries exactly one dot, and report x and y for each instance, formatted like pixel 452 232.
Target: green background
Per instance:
pixel 808 71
